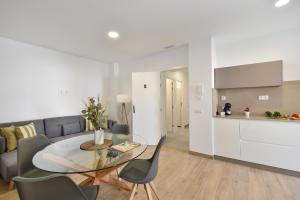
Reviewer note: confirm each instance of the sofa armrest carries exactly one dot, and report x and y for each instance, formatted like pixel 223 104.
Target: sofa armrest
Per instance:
pixel 2 144
pixel 120 129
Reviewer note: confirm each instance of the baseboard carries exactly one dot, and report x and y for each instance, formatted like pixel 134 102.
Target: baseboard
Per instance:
pixel 259 166
pixel 201 155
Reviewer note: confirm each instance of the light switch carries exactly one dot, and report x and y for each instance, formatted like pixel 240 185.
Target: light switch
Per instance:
pixel 223 98
pixel 63 92
pixel 60 92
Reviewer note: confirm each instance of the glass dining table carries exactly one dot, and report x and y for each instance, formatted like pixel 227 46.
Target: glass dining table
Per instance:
pixel 67 157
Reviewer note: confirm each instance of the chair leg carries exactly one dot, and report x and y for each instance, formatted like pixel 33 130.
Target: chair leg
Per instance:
pixel 11 185
pixel 132 193
pixel 148 190
pixel 154 189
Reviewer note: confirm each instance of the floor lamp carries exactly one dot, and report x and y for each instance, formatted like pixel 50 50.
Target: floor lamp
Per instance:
pixel 123 99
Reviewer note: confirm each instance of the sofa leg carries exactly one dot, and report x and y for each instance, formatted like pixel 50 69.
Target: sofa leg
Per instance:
pixel 11 185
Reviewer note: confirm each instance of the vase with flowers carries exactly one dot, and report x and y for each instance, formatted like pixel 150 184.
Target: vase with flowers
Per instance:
pixel 94 111
pixel 247 112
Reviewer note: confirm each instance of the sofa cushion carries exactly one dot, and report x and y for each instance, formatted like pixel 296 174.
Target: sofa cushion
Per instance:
pixel 38 124
pixel 25 131
pixel 104 122
pixel 9 134
pixel 88 125
pixel 54 126
pixel 2 145
pixel 57 139
pixel 8 165
pixel 71 128
pixel 110 123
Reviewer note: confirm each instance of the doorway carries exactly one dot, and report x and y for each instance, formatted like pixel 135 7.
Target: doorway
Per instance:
pixel 175 111
pixel 173 104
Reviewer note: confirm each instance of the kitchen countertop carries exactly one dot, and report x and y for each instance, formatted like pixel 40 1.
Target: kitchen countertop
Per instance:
pixel 256 117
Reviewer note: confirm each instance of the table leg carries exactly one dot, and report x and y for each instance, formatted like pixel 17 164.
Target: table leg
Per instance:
pixel 101 176
pixel 88 181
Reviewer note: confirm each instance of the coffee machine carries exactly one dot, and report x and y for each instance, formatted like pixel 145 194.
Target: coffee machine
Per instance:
pixel 227 109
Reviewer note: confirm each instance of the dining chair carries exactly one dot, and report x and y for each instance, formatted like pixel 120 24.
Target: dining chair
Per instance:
pixel 27 148
pixel 143 172
pixel 58 187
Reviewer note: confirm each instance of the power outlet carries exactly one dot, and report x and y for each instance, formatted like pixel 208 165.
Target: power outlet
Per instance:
pixel 266 97
pixel 263 98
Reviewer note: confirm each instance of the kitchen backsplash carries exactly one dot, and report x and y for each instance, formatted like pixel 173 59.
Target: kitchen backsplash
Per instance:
pixel 285 99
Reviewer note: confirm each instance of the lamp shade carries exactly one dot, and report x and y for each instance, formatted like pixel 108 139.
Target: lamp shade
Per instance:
pixel 123 98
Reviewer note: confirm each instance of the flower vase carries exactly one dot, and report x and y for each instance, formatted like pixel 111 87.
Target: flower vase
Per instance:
pixel 247 114
pixel 99 137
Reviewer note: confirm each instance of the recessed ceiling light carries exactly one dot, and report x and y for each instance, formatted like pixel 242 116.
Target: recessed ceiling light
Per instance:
pixel 280 3
pixel 113 34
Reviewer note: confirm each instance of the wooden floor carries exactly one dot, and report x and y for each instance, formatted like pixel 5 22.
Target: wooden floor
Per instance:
pixel 178 139
pixel 185 177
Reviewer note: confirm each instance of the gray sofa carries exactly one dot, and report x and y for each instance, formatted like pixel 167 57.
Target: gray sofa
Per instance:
pixel 55 129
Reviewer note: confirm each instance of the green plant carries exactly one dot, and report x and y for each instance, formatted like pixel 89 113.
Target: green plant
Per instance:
pixel 94 112
pixel 268 114
pixel 276 114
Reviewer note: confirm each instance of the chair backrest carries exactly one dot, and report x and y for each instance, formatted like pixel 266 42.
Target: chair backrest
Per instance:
pixel 54 187
pixel 154 161
pixel 27 148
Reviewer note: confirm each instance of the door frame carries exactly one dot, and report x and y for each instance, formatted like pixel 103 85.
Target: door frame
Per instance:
pixel 163 77
pixel 174 98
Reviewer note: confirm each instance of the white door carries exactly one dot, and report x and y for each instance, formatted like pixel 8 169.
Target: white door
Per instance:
pixel 178 104
pixel 146 107
pixel 169 105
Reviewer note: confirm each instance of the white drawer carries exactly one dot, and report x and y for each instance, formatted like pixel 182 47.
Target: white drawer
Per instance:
pixel 273 155
pixel 281 133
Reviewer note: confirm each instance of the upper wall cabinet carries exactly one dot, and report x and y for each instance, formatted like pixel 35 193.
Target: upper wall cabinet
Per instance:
pixel 253 75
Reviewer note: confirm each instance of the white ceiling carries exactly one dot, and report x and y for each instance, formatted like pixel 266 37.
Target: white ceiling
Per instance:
pixel 145 26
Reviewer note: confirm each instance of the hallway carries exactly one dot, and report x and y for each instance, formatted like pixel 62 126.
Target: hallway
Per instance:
pixel 178 139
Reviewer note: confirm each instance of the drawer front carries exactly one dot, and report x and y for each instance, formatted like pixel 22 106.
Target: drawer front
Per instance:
pixel 272 155
pixel 227 139
pixel 280 133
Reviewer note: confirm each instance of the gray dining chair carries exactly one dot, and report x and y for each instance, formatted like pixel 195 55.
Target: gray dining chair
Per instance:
pixel 143 172
pixel 27 148
pixel 58 187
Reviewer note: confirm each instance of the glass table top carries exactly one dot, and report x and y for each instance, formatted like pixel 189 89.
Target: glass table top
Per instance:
pixel 66 156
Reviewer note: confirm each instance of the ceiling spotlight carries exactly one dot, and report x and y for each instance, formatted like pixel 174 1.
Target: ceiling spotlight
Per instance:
pixel 113 34
pixel 281 3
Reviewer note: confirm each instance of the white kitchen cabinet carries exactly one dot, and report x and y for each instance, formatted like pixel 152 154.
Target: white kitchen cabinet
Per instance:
pixel 227 138
pixel 271 132
pixel 272 155
pixel 271 143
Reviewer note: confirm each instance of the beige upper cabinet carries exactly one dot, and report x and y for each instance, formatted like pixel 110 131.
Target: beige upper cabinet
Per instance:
pixel 253 75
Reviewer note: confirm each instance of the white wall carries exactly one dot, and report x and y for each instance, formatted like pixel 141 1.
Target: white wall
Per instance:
pixel 174 58
pixel 200 76
pixel 166 60
pixel 31 78
pixel 198 57
pixel 277 46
